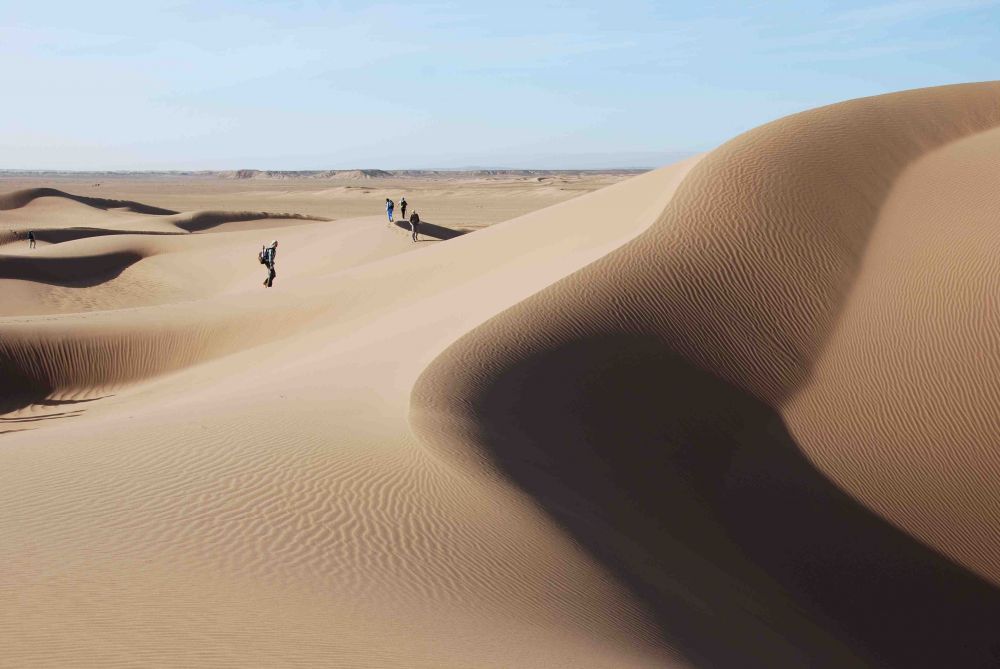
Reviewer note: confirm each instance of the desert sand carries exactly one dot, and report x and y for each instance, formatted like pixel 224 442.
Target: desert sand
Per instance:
pixel 462 200
pixel 740 411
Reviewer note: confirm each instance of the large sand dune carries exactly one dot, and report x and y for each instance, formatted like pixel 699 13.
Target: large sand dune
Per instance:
pixel 738 412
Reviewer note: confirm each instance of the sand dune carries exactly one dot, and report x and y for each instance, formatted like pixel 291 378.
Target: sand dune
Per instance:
pixel 735 412
pixel 646 404
pixel 455 200
pixel 79 271
pixel 205 220
pixel 381 516
pixel 20 198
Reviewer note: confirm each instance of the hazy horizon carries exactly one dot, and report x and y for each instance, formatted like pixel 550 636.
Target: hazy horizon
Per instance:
pixel 310 85
pixel 583 162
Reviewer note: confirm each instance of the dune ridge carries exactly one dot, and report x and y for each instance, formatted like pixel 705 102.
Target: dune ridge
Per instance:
pixel 76 353
pixel 190 221
pixel 287 473
pixel 79 271
pixel 91 354
pixel 20 198
pixel 620 431
pixel 665 380
pixel 204 220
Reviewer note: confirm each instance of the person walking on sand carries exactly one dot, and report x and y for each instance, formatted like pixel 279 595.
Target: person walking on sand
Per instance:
pixel 389 205
pixel 414 224
pixel 267 256
pixel 402 208
pixel 31 239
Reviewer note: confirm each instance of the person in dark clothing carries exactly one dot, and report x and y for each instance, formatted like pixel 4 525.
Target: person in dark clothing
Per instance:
pixel 414 224
pixel 389 204
pixel 402 207
pixel 31 239
pixel 268 255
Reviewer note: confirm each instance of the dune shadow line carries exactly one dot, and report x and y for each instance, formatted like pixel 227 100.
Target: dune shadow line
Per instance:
pixel 20 198
pixel 20 393
pixel 60 235
pixel 680 482
pixel 206 220
pixel 70 272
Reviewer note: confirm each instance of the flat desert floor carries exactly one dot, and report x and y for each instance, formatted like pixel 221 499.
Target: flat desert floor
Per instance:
pixel 741 411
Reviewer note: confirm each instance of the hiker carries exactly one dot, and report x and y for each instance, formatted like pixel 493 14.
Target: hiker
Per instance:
pixel 31 239
pixel 388 208
pixel 266 256
pixel 402 208
pixel 414 224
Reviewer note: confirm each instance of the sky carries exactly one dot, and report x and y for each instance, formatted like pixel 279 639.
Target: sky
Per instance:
pixel 313 84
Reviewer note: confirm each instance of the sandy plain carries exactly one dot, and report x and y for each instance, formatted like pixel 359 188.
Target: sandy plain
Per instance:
pixel 740 411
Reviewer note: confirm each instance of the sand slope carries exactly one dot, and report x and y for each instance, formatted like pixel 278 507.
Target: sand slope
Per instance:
pixel 666 401
pixel 284 477
pixel 714 415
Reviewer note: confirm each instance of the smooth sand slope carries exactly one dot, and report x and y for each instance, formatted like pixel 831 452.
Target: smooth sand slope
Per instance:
pixel 269 505
pixel 818 294
pixel 736 412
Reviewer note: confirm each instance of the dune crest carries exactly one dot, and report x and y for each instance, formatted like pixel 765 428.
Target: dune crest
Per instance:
pixel 262 451
pixel 665 423
pixel 669 410
pixel 21 198
pixel 94 347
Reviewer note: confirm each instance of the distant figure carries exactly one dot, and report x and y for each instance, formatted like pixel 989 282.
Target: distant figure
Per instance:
pixel 388 208
pixel 31 239
pixel 414 224
pixel 266 256
pixel 402 207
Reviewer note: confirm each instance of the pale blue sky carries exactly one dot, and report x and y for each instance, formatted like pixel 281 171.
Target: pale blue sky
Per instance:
pixel 311 84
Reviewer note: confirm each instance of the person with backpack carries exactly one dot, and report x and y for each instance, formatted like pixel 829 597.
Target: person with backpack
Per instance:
pixel 402 208
pixel 388 208
pixel 31 239
pixel 414 224
pixel 266 257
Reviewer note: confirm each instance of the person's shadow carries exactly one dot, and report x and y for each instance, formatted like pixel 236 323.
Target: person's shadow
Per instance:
pixel 430 230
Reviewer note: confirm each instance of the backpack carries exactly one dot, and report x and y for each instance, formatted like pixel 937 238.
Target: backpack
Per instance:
pixel 262 256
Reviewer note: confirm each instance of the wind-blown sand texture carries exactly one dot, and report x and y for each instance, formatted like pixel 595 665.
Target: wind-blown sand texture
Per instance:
pixel 739 412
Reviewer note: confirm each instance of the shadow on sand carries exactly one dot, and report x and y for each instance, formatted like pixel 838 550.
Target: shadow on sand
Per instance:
pixel 18 199
pixel 25 423
pixel 60 235
pixel 73 272
pixel 431 230
pixel 695 495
